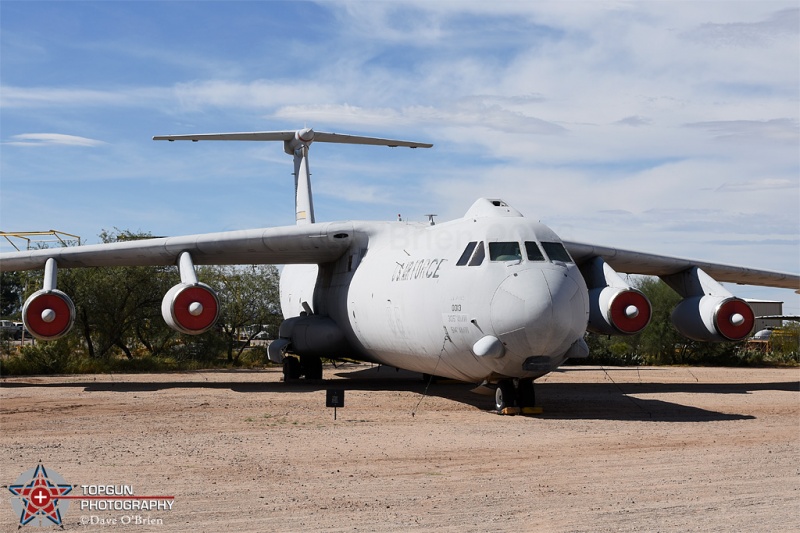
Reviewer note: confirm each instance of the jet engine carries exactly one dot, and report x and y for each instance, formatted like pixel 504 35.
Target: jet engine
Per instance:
pixel 48 314
pixel 615 308
pixel 190 308
pixel 713 318
pixel 708 312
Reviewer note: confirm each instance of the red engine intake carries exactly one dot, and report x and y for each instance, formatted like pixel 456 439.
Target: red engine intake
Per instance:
pixel 190 308
pixel 713 318
pixel 618 311
pixel 48 314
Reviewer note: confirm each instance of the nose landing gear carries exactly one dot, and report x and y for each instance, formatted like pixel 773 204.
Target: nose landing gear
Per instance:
pixel 514 396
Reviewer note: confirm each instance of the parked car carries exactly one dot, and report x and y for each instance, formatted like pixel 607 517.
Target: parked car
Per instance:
pixel 10 330
pixel 262 336
pixel 25 333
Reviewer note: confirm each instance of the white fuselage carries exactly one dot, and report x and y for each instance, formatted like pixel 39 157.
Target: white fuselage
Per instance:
pixel 402 298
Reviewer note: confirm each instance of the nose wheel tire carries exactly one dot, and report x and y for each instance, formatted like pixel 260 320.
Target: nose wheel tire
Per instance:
pixel 505 395
pixel 511 394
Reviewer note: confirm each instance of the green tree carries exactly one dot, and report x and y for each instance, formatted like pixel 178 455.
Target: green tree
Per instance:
pixel 11 290
pixel 248 301
pixel 119 307
pixel 659 339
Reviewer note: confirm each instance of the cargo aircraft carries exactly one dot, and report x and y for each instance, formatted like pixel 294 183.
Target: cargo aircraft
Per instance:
pixel 491 298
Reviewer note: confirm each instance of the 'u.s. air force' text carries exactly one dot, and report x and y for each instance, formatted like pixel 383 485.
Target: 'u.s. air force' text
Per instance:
pixel 419 269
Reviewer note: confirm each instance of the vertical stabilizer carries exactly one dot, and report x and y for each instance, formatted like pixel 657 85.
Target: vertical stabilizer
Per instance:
pixel 303 200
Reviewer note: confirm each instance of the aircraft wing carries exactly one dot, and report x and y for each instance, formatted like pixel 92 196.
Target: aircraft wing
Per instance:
pixel 312 243
pixel 632 262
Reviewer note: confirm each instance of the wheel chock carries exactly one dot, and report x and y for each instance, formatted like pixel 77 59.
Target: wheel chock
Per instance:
pixel 510 411
pixel 532 410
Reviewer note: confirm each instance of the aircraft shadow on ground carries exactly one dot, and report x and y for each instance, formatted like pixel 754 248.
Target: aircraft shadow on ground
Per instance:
pixel 568 401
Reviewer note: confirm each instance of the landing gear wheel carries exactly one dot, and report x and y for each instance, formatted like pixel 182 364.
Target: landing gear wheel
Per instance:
pixel 311 367
pixel 526 397
pixel 504 395
pixel 291 368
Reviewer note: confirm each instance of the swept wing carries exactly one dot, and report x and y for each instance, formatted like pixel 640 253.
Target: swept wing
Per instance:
pixel 313 243
pixel 632 262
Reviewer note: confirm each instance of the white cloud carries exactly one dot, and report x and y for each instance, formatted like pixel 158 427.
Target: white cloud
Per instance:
pixel 469 113
pixel 661 126
pixel 60 97
pixel 759 185
pixel 50 139
pixel 256 94
pixel 780 129
pixel 782 23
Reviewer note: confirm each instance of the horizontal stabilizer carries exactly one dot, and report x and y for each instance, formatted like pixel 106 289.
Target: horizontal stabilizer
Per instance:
pixel 245 136
pixel 306 135
pixel 355 139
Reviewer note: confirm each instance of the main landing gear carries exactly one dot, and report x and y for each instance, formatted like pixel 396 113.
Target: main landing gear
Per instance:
pixel 308 366
pixel 514 394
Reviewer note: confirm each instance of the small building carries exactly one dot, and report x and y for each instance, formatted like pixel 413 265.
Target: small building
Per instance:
pixel 766 308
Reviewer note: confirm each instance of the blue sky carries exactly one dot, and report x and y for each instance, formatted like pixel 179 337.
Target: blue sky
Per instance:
pixel 668 127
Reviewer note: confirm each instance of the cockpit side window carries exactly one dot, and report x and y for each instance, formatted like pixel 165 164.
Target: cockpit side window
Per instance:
pixel 467 253
pixel 504 251
pixel 480 253
pixel 534 252
pixel 556 252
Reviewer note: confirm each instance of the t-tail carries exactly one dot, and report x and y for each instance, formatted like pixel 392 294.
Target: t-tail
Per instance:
pixel 296 144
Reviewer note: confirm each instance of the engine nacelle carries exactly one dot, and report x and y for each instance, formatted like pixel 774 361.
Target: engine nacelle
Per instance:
pixel 315 336
pixel 713 318
pixel 48 314
pixel 618 311
pixel 190 308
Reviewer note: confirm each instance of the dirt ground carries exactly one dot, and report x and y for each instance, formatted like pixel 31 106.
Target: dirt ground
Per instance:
pixel 622 449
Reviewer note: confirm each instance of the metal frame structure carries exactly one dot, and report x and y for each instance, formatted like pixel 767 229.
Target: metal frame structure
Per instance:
pixel 26 236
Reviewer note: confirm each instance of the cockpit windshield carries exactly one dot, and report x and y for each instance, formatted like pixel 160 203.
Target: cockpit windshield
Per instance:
pixel 534 252
pixel 464 259
pixel 504 251
pixel 556 252
pixel 474 253
pixel 478 256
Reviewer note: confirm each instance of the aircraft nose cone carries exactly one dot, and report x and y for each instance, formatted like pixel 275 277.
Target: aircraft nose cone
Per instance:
pixel 538 312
